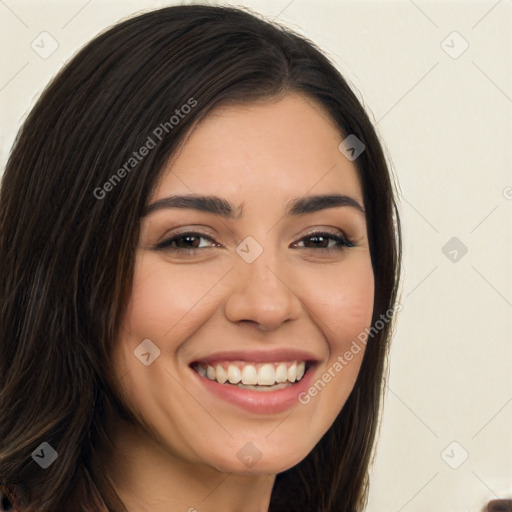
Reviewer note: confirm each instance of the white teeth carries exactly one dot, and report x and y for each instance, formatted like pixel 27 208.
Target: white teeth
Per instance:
pixel 250 375
pixel 266 375
pixel 281 373
pixel 234 374
pixel 210 372
pixel 292 372
pixel 264 388
pixel 221 374
pixel 301 368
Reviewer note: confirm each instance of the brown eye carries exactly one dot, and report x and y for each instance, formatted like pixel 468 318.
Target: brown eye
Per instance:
pixel 185 242
pixel 326 241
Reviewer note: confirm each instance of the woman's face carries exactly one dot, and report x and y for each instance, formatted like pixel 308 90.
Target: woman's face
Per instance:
pixel 270 280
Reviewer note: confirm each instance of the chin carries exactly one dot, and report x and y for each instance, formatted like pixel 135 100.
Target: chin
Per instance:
pixel 250 460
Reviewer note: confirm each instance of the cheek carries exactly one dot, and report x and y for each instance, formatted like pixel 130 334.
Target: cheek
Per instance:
pixel 343 301
pixel 164 301
pixel 166 307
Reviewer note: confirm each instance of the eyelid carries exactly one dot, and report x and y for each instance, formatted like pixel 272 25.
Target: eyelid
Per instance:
pixel 332 233
pixel 339 236
pixel 326 230
pixel 191 232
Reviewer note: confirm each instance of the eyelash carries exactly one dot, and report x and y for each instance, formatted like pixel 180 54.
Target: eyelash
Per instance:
pixel 165 245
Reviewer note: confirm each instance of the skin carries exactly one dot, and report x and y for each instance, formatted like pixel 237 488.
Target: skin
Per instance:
pixel 183 453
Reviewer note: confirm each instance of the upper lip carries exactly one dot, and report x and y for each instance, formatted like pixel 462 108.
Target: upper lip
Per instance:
pixel 259 356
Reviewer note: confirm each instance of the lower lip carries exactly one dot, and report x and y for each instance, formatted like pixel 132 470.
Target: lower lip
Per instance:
pixel 260 402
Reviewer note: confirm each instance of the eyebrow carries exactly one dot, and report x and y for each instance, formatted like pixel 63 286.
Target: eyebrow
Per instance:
pixel 223 208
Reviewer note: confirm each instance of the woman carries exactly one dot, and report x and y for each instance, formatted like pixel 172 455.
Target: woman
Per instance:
pixel 200 257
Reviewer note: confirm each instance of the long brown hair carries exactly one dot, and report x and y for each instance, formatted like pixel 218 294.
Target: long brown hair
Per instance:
pixel 67 249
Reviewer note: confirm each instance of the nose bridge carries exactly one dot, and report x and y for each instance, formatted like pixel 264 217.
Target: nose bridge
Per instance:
pixel 261 292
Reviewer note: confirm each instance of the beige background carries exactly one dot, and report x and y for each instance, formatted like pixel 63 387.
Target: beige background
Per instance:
pixel 445 117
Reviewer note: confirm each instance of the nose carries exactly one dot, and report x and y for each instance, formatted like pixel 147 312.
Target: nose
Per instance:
pixel 262 295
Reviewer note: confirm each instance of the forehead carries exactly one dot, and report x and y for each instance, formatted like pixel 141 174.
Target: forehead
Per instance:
pixel 284 147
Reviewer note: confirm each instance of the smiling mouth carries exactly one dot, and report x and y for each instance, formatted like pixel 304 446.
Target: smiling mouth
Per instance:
pixel 254 376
